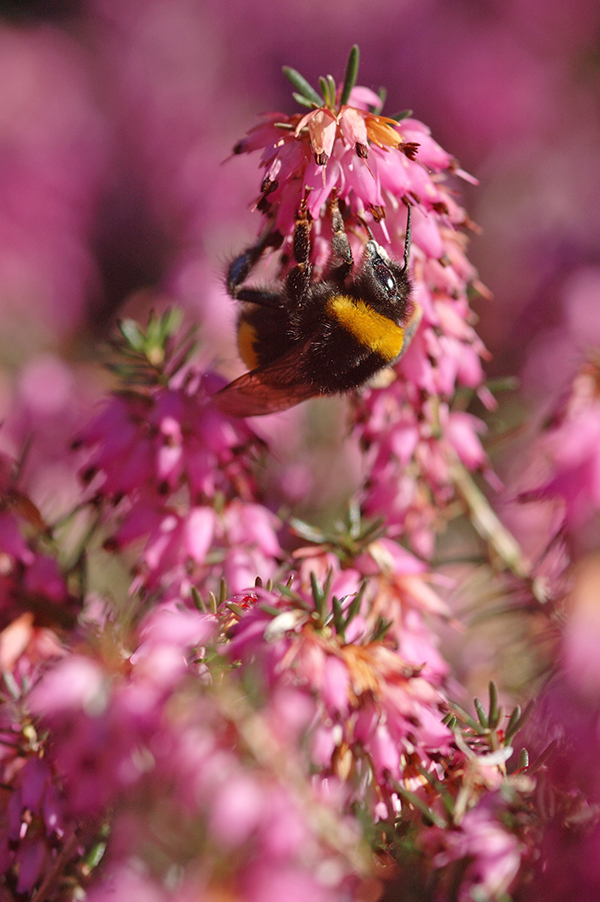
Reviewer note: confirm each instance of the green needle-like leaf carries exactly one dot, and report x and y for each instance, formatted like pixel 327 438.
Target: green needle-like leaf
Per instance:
pixel 132 333
pixel 351 74
pixel 418 803
pixel 493 711
pixel 303 101
pixel 332 89
pixel 324 86
pixel 405 114
pixel 483 718
pixel 517 721
pixel 303 87
pixel 354 606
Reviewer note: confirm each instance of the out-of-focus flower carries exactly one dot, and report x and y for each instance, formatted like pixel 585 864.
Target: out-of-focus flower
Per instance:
pixel 376 711
pixel 490 855
pixel 180 463
pixel 568 455
pixel 164 439
pixel 564 735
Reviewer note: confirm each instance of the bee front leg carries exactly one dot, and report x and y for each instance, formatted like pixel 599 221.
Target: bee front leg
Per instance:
pixel 240 268
pixel 298 280
pixel 340 260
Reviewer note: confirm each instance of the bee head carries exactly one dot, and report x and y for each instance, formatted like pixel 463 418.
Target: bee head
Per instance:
pixel 381 265
pixel 383 282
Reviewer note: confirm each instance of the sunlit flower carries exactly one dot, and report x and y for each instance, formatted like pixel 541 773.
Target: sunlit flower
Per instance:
pixel 377 167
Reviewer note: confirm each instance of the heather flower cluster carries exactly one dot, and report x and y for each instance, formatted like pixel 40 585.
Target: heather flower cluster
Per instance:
pixel 176 474
pixel 207 697
pixel 377 166
pixel 249 730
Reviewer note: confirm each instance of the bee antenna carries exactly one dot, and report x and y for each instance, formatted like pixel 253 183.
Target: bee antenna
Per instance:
pixel 407 240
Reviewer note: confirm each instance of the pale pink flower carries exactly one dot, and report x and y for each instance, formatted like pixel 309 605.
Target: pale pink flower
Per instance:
pixel 12 542
pixel 125 882
pixel 567 454
pixel 348 682
pixel 462 430
pixel 238 808
pixel 491 854
pixel 77 683
pixel 158 441
pixel 322 126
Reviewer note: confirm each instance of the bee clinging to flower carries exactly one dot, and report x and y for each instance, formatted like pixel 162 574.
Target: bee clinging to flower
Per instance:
pixel 318 337
pixel 341 185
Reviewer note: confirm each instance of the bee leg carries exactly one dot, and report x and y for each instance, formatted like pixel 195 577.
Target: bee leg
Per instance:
pixel 298 280
pixel 340 260
pixel 240 268
pixel 258 296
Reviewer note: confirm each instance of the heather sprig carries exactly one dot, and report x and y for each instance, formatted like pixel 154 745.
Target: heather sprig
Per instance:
pixel 156 354
pixel 376 167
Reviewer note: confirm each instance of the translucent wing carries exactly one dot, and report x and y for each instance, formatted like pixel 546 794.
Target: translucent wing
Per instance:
pixel 268 389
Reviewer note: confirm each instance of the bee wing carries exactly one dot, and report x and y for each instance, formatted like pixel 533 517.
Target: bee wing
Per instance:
pixel 267 389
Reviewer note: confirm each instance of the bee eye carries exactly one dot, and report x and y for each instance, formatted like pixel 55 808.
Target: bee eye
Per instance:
pixel 384 276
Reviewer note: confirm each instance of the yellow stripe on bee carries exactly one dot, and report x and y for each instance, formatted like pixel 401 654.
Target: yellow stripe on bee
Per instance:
pixel 371 329
pixel 246 339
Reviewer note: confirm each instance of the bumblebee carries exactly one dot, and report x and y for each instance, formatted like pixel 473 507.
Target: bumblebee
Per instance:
pixel 318 337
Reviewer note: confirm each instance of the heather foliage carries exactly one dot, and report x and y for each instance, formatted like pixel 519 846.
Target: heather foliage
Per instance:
pixel 207 696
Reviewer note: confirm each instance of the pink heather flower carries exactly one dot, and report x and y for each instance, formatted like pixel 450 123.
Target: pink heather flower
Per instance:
pixel 462 430
pixel 232 810
pixel 178 628
pixel 160 440
pixel 349 150
pixel 411 460
pixel 571 449
pixel 492 855
pixel 77 683
pixel 31 857
pixel 44 578
pixel 124 450
pixel 178 542
pixel 25 647
pixel 35 823
pixel 12 542
pixel 34 596
pixel 372 162
pixel 377 166
pixel 369 702
pixel 124 883
pixel 404 595
pixel 322 126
